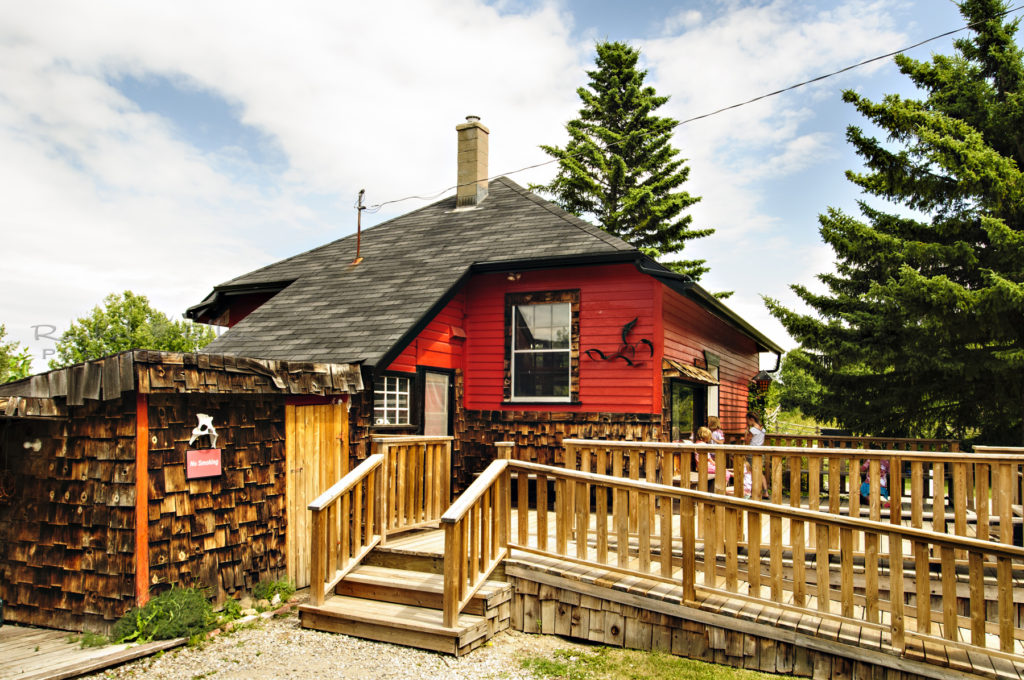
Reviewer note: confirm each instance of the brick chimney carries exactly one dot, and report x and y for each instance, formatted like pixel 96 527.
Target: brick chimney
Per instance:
pixel 472 163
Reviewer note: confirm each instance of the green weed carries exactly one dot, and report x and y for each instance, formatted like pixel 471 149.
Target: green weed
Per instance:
pixel 178 612
pixel 265 590
pixel 604 663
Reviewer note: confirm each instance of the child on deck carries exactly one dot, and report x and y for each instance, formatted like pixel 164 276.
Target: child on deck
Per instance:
pixel 715 425
pixel 883 481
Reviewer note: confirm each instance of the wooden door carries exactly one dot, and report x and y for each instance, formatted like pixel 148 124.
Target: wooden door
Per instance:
pixel 316 456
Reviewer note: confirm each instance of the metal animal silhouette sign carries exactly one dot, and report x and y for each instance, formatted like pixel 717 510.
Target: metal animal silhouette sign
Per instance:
pixel 627 350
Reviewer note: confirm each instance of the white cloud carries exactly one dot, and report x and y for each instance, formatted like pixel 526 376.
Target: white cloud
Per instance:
pixel 101 196
pixel 742 53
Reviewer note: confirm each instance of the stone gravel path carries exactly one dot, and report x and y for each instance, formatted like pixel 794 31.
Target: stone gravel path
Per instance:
pixel 281 648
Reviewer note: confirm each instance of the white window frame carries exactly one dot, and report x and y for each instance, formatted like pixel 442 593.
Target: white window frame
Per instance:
pixel 386 403
pixel 567 351
pixel 712 362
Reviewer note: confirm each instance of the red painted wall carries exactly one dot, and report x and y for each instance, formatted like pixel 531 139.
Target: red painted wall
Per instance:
pixel 437 345
pixel 244 305
pixel 690 331
pixel 610 296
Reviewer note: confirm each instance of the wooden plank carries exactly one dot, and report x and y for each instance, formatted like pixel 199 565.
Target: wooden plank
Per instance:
pixel 949 604
pixel 923 590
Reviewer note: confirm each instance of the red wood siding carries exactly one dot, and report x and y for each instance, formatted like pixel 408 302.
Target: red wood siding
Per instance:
pixel 690 331
pixel 244 305
pixel 610 296
pixel 436 345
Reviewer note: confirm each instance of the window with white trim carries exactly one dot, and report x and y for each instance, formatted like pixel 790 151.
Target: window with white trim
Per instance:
pixel 713 391
pixel 392 400
pixel 541 351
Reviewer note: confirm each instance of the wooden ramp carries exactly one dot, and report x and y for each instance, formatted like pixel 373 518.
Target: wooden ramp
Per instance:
pixel 44 654
pixel 555 597
pixel 403 605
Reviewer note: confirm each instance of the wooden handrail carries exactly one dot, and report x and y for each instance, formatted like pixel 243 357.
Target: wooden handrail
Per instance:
pixel 986 454
pixel 418 471
pixel 471 495
pixel 410 439
pixel 355 512
pixel 781 511
pixel 666 515
pixel 476 536
pixel 347 482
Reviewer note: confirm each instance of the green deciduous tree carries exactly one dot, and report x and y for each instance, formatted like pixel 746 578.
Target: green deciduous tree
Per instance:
pixel 921 330
pixel 797 388
pixel 619 165
pixel 15 360
pixel 125 322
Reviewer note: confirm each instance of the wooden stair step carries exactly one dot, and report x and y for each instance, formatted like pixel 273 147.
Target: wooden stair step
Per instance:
pixel 417 588
pixel 395 623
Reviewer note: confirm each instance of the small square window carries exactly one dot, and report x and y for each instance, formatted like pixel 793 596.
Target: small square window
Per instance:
pixel 391 399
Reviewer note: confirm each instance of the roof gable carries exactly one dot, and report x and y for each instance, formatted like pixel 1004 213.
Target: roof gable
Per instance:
pixel 333 311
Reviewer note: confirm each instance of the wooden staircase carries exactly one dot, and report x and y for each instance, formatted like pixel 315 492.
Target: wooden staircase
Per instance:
pixel 404 607
pixel 380 568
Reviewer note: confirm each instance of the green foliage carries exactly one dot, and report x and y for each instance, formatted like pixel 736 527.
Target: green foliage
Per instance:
pixel 15 360
pixel 265 590
pixel 178 612
pixel 232 610
pixel 620 166
pixel 604 663
pixel 795 386
pixel 125 322
pixel 920 332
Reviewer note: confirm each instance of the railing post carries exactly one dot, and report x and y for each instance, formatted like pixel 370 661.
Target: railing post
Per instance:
pixel 317 563
pixel 453 558
pixel 504 450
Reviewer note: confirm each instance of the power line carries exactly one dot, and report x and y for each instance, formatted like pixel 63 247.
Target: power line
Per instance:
pixel 377 206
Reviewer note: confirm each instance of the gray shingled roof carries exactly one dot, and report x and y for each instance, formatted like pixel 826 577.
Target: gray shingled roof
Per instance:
pixel 338 313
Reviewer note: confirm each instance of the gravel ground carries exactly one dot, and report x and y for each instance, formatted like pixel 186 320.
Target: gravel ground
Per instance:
pixel 280 648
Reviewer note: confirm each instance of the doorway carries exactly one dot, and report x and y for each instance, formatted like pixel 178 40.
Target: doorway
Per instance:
pixel 436 404
pixel 316 456
pixel 689 408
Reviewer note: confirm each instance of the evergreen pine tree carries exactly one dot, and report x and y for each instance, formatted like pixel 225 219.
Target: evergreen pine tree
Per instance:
pixel 921 331
pixel 619 165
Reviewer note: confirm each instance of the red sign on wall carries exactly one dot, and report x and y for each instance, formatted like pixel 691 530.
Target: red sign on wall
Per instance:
pixel 202 463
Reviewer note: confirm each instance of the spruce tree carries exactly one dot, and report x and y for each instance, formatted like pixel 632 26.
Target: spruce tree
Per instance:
pixel 921 331
pixel 619 165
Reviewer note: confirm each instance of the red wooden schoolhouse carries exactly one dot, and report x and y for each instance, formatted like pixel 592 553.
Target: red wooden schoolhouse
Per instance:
pixel 494 315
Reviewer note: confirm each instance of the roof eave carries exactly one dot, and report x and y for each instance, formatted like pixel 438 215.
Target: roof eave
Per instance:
pixel 213 305
pixel 688 287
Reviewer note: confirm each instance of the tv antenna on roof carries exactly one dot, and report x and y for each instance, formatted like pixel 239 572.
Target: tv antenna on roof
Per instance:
pixel 359 224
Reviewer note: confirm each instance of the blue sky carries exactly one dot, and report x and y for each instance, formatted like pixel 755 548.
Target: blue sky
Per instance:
pixel 166 148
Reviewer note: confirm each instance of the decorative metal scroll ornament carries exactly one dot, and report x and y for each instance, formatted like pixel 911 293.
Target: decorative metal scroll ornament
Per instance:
pixel 206 427
pixel 627 350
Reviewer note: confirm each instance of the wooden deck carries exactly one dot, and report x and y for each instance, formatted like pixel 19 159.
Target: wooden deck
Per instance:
pixel 810 630
pixel 643 539
pixel 45 654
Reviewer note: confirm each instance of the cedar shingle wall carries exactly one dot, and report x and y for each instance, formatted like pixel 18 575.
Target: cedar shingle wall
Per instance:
pixel 66 537
pixel 223 533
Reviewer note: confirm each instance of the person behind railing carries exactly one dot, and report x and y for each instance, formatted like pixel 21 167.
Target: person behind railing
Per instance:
pixel 754 436
pixel 715 425
pixel 704 436
pixel 883 481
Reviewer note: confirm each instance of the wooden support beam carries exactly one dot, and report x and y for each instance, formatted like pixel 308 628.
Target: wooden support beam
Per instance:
pixel 141 498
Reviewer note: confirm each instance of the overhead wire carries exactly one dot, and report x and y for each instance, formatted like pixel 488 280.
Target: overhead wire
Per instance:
pixel 641 133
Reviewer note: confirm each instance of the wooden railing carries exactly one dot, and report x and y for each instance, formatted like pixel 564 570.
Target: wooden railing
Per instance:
pixel 817 570
pixel 841 442
pixel 476 533
pixel 974 495
pixel 419 478
pixel 348 521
